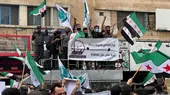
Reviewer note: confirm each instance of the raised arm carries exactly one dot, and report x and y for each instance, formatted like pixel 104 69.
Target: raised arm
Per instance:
pixel 74 25
pixel 103 22
pixel 33 36
pixel 46 31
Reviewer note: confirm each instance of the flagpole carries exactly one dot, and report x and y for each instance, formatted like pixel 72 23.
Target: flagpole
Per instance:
pixel 137 72
pixel 23 71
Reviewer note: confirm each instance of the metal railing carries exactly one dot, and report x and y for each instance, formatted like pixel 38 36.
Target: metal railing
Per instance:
pixel 52 64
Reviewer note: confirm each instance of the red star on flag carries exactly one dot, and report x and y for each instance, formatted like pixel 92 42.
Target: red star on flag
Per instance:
pixel 138 31
pixel 153 78
pixel 135 26
pixel 148 68
pixel 42 9
pixel 130 21
pixel 35 80
pixel 167 68
pixel 72 37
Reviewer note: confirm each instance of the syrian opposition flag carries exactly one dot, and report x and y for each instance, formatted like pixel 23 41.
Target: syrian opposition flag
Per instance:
pixel 132 28
pixel 84 80
pixel 6 74
pixel 36 75
pixel 75 36
pixel 18 51
pixel 157 46
pixel 63 71
pixel 86 14
pixel 64 17
pixel 155 62
pixel 14 84
pixel 150 78
pixel 9 75
pixel 40 10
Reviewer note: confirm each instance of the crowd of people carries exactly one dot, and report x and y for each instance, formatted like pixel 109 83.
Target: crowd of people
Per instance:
pixel 126 89
pixel 57 45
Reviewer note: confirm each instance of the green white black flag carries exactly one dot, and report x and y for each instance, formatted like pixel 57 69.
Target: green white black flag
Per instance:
pixel 150 78
pixel 40 10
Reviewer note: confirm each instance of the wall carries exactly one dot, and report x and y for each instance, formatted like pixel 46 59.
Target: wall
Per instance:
pixel 132 5
pixel 76 6
pixel 108 6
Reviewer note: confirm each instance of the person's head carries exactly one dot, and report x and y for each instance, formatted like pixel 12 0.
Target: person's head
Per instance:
pixel 126 90
pixel 57 89
pixel 78 26
pixel 57 33
pixel 96 28
pixel 78 93
pixel 67 29
pixel 158 88
pixel 35 93
pixel 38 28
pixel 107 28
pixel 11 91
pixel 150 89
pixel 140 91
pixel 116 90
pixel 85 30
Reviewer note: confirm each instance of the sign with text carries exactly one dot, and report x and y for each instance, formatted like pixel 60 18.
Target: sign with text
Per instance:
pixel 87 49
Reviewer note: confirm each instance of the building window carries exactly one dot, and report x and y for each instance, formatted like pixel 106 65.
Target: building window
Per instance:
pixel 142 17
pixel 101 13
pixel 36 20
pixel 9 15
pixel 48 17
pixel 151 21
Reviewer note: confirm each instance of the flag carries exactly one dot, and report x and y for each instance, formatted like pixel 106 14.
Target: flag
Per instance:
pixel 86 14
pixel 144 51
pixel 64 17
pixel 127 35
pixel 133 28
pixel 84 80
pixel 34 79
pixel 158 44
pixel 115 30
pixel 6 74
pixel 63 71
pixel 150 78
pixel 18 51
pixel 14 84
pixel 156 62
pixel 40 10
pixel 28 79
pixel 9 75
pixel 36 75
pixel 75 36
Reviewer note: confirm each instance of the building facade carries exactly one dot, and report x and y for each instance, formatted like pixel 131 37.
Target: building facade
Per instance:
pixel 15 19
pixel 14 14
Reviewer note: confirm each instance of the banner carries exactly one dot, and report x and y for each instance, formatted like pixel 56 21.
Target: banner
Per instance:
pixel 102 49
pixel 100 93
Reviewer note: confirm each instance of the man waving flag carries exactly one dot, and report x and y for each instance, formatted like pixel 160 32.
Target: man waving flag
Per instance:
pixel 86 14
pixel 64 17
pixel 40 10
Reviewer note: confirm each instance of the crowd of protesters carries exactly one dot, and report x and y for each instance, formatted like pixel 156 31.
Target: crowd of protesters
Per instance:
pixel 126 89
pixel 57 45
